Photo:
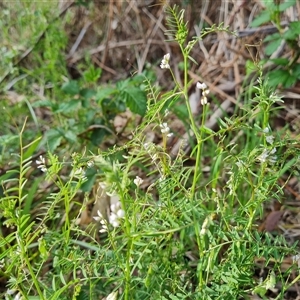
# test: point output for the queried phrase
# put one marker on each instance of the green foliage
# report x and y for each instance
(180, 232)
(84, 107)
(288, 72)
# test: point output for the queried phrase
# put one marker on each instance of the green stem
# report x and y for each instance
(199, 151)
(19, 236)
(24, 255)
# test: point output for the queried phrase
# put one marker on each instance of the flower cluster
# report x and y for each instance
(205, 92)
(79, 173)
(152, 151)
(268, 154)
(41, 162)
(116, 214)
(138, 181)
(10, 293)
(90, 163)
(165, 129)
(269, 137)
(102, 222)
(165, 62)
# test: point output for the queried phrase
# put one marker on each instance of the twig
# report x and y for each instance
(79, 38)
(111, 45)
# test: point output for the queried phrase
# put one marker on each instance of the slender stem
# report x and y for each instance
(199, 151)
(19, 235)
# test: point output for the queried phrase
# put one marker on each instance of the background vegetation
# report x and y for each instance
(121, 177)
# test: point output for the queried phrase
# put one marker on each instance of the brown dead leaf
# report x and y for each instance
(272, 220)
(121, 121)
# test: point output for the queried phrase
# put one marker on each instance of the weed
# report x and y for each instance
(163, 228)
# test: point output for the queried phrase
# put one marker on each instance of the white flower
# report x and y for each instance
(201, 86)
(121, 213)
(79, 173)
(115, 223)
(102, 221)
(273, 159)
(41, 162)
(205, 92)
(296, 257)
(203, 100)
(270, 139)
(42, 168)
(164, 128)
(138, 181)
(146, 145)
(10, 292)
(113, 217)
(266, 130)
(112, 296)
(165, 62)
(99, 217)
(90, 164)
(263, 157)
(205, 226)
(266, 156)
(18, 296)
(116, 214)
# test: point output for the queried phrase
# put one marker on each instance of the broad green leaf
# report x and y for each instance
(7, 139)
(68, 106)
(263, 18)
(272, 37)
(91, 175)
(52, 139)
(87, 93)
(122, 85)
(269, 4)
(71, 136)
(71, 87)
(278, 77)
(280, 61)
(272, 47)
(98, 136)
(283, 6)
(103, 93)
(290, 81)
(135, 99)
(296, 70)
(293, 32)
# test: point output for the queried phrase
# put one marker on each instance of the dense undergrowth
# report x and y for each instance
(92, 206)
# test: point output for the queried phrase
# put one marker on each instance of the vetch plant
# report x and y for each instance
(180, 227)
(165, 62)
